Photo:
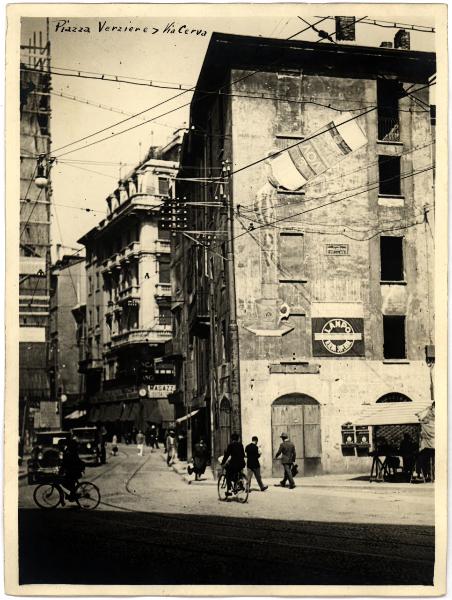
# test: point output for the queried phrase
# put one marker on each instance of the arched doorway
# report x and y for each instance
(299, 416)
(393, 397)
(393, 434)
(225, 425)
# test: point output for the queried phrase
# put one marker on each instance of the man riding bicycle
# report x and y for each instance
(71, 468)
(233, 461)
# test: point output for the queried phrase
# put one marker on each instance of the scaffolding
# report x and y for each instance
(35, 236)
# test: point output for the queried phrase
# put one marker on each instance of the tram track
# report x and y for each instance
(283, 527)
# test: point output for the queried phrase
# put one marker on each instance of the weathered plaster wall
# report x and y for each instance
(353, 215)
(343, 390)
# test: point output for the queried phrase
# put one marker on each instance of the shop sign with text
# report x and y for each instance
(338, 336)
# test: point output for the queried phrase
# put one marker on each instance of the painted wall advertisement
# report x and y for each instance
(338, 336)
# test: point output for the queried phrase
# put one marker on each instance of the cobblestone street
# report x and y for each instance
(152, 527)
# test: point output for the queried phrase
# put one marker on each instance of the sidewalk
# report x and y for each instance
(336, 480)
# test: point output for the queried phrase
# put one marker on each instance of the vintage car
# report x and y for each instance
(46, 455)
(91, 447)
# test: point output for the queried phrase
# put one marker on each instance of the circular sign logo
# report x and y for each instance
(338, 336)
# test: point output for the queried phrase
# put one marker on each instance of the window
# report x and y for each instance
(90, 284)
(164, 315)
(291, 251)
(163, 186)
(164, 271)
(97, 316)
(163, 234)
(97, 281)
(394, 337)
(391, 256)
(389, 175)
(388, 95)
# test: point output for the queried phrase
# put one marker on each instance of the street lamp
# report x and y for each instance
(42, 171)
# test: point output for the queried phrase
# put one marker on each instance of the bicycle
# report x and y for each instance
(50, 495)
(239, 489)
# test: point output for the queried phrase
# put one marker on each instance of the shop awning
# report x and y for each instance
(77, 414)
(112, 412)
(131, 412)
(392, 413)
(189, 416)
(94, 414)
(158, 410)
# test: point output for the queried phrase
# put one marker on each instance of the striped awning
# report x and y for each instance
(392, 413)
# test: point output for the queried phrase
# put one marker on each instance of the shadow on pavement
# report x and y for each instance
(129, 547)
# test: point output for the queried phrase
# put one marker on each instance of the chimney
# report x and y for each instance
(402, 40)
(386, 45)
(345, 29)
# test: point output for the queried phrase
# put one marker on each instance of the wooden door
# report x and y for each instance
(299, 417)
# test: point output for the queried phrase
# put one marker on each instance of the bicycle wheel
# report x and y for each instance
(47, 495)
(222, 487)
(87, 495)
(242, 489)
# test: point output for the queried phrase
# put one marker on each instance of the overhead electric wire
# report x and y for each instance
(163, 102)
(342, 176)
(314, 135)
(394, 25)
(273, 223)
(102, 106)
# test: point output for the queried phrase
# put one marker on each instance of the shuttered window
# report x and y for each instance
(291, 257)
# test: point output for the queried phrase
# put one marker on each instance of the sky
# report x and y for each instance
(83, 178)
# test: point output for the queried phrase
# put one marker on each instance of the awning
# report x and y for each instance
(94, 414)
(112, 412)
(130, 412)
(392, 413)
(77, 414)
(189, 416)
(158, 410)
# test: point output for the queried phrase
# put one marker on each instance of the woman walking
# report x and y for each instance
(200, 456)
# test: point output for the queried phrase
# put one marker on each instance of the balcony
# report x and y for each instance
(131, 293)
(163, 290)
(88, 363)
(162, 246)
(173, 349)
(388, 129)
(110, 263)
(159, 334)
(198, 314)
(129, 252)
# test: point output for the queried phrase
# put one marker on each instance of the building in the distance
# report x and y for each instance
(36, 409)
(127, 318)
(304, 301)
(67, 291)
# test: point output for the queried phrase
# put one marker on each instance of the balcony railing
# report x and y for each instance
(162, 246)
(388, 129)
(132, 292)
(163, 289)
(157, 334)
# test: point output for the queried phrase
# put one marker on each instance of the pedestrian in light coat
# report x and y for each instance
(140, 443)
(170, 445)
(288, 455)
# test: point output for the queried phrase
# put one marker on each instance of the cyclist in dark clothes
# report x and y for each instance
(233, 461)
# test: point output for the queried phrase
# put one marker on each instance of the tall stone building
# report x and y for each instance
(127, 318)
(303, 296)
(67, 290)
(36, 410)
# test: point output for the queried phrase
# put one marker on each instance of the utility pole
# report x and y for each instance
(233, 329)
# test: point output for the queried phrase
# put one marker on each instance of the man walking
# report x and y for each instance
(288, 456)
(252, 463)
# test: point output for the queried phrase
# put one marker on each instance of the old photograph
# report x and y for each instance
(226, 286)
